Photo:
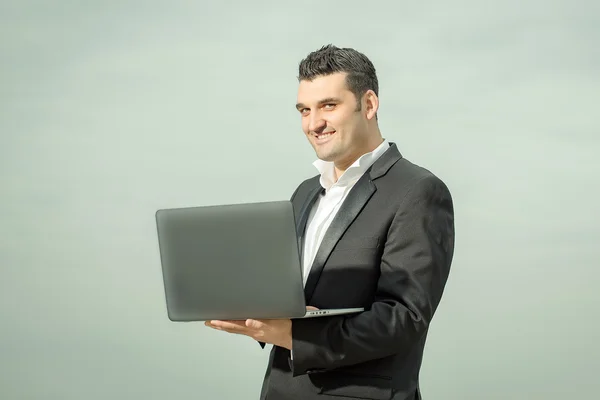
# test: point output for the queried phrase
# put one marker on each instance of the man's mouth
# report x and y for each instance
(323, 137)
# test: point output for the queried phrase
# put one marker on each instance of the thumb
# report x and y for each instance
(311, 308)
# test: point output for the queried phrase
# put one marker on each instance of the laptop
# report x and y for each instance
(233, 262)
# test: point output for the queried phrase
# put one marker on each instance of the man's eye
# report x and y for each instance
(329, 105)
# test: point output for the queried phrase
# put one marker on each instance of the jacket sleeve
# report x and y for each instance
(414, 267)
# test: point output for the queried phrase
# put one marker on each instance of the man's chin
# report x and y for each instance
(324, 156)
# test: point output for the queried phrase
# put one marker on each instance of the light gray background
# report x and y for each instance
(110, 110)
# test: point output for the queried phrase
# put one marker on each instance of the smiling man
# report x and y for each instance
(377, 232)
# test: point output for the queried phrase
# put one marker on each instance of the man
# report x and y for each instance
(377, 232)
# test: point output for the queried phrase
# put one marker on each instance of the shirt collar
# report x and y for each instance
(355, 171)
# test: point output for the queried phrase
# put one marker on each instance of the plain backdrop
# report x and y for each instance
(110, 110)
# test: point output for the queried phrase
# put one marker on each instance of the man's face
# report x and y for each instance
(330, 120)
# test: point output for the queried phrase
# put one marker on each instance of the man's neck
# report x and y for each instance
(342, 167)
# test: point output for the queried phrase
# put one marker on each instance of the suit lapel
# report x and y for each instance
(351, 207)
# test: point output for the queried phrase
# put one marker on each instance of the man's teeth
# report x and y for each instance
(324, 135)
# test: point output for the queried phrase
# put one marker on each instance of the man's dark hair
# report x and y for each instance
(330, 59)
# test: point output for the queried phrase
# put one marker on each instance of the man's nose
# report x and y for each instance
(316, 123)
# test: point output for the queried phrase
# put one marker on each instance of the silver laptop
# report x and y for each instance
(233, 262)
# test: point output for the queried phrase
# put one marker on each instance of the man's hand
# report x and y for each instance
(277, 332)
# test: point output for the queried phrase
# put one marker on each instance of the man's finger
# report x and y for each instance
(230, 326)
(236, 322)
(254, 324)
(311, 308)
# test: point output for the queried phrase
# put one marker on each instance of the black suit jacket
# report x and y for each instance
(388, 249)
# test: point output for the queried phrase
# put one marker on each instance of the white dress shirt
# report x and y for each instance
(329, 203)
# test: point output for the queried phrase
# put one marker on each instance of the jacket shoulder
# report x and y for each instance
(414, 180)
(406, 169)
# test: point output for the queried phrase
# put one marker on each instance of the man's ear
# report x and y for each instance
(370, 104)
